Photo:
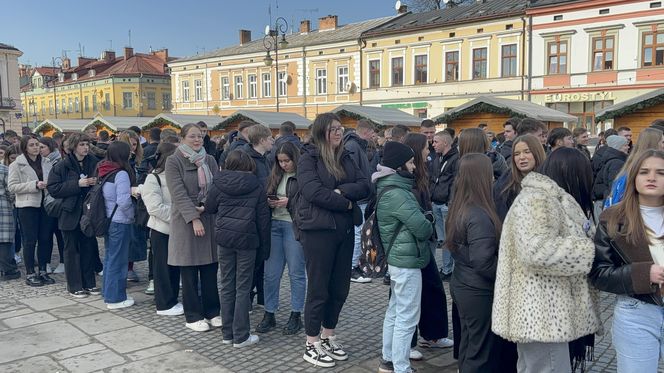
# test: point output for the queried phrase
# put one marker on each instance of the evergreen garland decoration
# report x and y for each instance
(158, 122)
(228, 120)
(100, 125)
(350, 114)
(629, 109)
(44, 127)
(480, 107)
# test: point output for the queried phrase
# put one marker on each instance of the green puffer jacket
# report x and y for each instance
(411, 246)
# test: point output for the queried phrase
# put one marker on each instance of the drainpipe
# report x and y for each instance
(523, 51)
(362, 44)
(530, 55)
(304, 80)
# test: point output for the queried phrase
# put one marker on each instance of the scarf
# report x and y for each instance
(54, 157)
(199, 158)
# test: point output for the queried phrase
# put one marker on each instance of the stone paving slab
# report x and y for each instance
(180, 361)
(28, 319)
(47, 303)
(37, 364)
(155, 351)
(132, 339)
(75, 310)
(39, 339)
(76, 351)
(92, 361)
(14, 313)
(99, 323)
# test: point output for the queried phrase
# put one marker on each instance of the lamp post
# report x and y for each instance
(275, 38)
(55, 95)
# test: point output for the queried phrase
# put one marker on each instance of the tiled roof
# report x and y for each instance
(347, 32)
(8, 47)
(380, 115)
(542, 3)
(137, 64)
(449, 16)
(47, 71)
(267, 118)
(524, 108)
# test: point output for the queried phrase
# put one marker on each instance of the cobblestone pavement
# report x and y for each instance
(45, 330)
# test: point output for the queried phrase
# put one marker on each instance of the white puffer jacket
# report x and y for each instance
(22, 181)
(542, 293)
(157, 201)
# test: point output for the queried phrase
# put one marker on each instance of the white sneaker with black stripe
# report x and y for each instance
(333, 348)
(315, 355)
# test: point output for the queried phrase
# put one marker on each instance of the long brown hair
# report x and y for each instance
(472, 188)
(331, 157)
(625, 220)
(513, 186)
(473, 140)
(418, 142)
(293, 153)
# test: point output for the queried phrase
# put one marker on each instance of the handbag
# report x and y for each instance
(52, 206)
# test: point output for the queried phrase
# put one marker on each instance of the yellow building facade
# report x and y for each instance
(134, 85)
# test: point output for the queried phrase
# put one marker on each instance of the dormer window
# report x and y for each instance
(74, 76)
(92, 72)
(61, 77)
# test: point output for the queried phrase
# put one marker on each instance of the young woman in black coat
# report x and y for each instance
(330, 184)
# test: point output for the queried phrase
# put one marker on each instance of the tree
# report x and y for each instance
(418, 6)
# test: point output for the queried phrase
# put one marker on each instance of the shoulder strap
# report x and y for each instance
(399, 224)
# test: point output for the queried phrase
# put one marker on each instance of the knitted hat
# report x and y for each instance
(396, 154)
(616, 142)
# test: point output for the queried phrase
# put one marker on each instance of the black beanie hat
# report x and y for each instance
(396, 154)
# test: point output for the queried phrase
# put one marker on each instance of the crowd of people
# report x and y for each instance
(530, 225)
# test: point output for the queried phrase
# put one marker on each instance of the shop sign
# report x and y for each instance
(579, 97)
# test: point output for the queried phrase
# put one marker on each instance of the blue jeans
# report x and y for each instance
(440, 212)
(402, 315)
(638, 335)
(357, 249)
(284, 249)
(116, 258)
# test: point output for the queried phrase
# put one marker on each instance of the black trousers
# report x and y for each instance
(166, 278)
(7, 263)
(478, 346)
(60, 241)
(236, 270)
(257, 284)
(433, 315)
(79, 260)
(207, 305)
(328, 255)
(37, 231)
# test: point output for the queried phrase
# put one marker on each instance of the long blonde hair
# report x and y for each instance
(126, 136)
(331, 156)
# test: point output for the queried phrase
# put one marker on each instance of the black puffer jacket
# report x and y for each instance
(598, 160)
(476, 257)
(320, 206)
(622, 268)
(505, 149)
(498, 163)
(442, 178)
(242, 214)
(63, 184)
(358, 151)
(503, 199)
(612, 161)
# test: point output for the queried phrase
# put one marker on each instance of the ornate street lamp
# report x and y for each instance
(275, 38)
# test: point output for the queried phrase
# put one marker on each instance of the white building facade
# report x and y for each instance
(10, 102)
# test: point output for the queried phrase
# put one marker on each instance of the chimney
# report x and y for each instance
(162, 54)
(66, 63)
(83, 60)
(245, 36)
(402, 9)
(327, 23)
(305, 26)
(108, 56)
(128, 52)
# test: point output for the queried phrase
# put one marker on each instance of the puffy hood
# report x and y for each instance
(611, 154)
(288, 138)
(352, 136)
(381, 171)
(395, 179)
(247, 148)
(236, 183)
(105, 167)
(543, 184)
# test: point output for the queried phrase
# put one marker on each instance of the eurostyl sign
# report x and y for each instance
(579, 97)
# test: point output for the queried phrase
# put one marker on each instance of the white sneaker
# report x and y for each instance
(176, 310)
(17, 259)
(215, 322)
(415, 355)
(252, 340)
(198, 326)
(124, 304)
(48, 268)
(316, 355)
(150, 288)
(60, 268)
(437, 343)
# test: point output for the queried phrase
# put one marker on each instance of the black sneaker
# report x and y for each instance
(358, 276)
(267, 324)
(333, 348)
(386, 279)
(315, 355)
(34, 280)
(445, 277)
(46, 279)
(294, 324)
(80, 294)
(93, 291)
(7, 276)
(385, 366)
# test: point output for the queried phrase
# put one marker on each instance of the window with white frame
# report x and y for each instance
(152, 101)
(185, 91)
(321, 81)
(397, 71)
(342, 79)
(557, 57)
(480, 63)
(239, 87)
(421, 69)
(198, 90)
(374, 73)
(253, 85)
(508, 60)
(452, 66)
(281, 78)
(267, 84)
(127, 100)
(225, 88)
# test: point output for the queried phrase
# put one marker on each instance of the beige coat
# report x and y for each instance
(542, 293)
(22, 181)
(184, 248)
(158, 202)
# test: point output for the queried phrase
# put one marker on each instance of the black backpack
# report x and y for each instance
(142, 216)
(373, 258)
(94, 222)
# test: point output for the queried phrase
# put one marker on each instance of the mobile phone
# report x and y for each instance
(273, 197)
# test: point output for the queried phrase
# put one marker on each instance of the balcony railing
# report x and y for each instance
(7, 103)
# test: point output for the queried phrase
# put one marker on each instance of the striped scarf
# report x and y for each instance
(199, 158)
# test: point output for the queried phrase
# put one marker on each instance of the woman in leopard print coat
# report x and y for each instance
(542, 296)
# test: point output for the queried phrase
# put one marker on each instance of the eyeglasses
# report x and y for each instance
(336, 130)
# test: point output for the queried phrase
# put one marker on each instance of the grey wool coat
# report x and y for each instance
(184, 248)
(7, 228)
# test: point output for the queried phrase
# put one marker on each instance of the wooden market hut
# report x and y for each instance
(50, 126)
(380, 116)
(636, 113)
(494, 111)
(115, 124)
(176, 121)
(271, 120)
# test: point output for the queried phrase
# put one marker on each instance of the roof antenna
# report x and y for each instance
(129, 38)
